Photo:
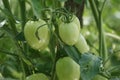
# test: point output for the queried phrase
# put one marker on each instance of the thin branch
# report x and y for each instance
(23, 12)
(9, 53)
(9, 15)
(113, 36)
(103, 5)
(110, 57)
(94, 10)
(114, 68)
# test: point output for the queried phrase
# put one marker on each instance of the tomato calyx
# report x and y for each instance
(65, 15)
(46, 13)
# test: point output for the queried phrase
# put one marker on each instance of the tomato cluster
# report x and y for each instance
(70, 35)
(37, 35)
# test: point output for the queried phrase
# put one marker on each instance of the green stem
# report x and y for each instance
(23, 12)
(102, 42)
(20, 51)
(22, 67)
(114, 69)
(23, 19)
(103, 5)
(115, 52)
(11, 19)
(53, 68)
(94, 10)
(105, 52)
(114, 36)
(97, 16)
(6, 52)
(53, 56)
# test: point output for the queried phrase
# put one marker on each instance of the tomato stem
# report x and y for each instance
(10, 16)
(37, 30)
(66, 15)
(97, 16)
(23, 12)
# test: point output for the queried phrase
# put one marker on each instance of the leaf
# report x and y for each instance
(37, 7)
(115, 78)
(62, 0)
(2, 35)
(20, 36)
(72, 52)
(7, 79)
(2, 23)
(114, 70)
(78, 1)
(89, 65)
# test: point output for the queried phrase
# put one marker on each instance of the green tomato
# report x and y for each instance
(38, 76)
(99, 77)
(43, 33)
(67, 69)
(76, 21)
(69, 33)
(81, 44)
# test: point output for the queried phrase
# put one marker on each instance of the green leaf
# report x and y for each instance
(37, 7)
(78, 1)
(20, 36)
(7, 79)
(72, 52)
(89, 65)
(115, 78)
(2, 35)
(62, 0)
(2, 23)
(115, 70)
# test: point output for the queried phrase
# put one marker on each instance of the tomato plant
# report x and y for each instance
(59, 40)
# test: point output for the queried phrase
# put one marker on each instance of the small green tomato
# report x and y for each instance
(43, 34)
(82, 45)
(67, 69)
(69, 33)
(37, 76)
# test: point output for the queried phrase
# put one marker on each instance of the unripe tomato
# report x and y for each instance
(37, 76)
(76, 21)
(69, 33)
(99, 77)
(67, 69)
(82, 45)
(43, 34)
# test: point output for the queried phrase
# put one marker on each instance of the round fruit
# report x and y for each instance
(43, 34)
(69, 33)
(81, 44)
(38, 76)
(99, 77)
(67, 69)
